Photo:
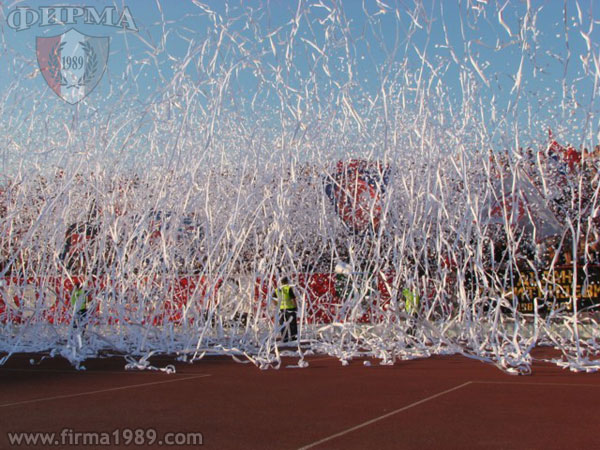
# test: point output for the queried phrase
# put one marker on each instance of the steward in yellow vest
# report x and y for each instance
(411, 306)
(287, 311)
(411, 302)
(79, 302)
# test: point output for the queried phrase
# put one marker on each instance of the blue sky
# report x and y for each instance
(470, 48)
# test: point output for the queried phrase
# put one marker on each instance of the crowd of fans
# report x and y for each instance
(566, 181)
(567, 185)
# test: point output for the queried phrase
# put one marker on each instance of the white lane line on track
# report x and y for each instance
(528, 383)
(377, 419)
(75, 371)
(80, 394)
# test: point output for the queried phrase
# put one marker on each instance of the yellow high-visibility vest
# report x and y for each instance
(283, 294)
(411, 301)
(79, 299)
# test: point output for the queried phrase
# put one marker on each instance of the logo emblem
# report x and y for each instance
(356, 190)
(72, 63)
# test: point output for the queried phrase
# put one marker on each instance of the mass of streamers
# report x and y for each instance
(424, 172)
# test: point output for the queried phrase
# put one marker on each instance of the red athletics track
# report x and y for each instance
(440, 402)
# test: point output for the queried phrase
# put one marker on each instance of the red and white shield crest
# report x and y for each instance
(356, 190)
(72, 63)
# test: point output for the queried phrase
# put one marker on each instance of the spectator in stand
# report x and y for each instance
(594, 158)
(572, 157)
